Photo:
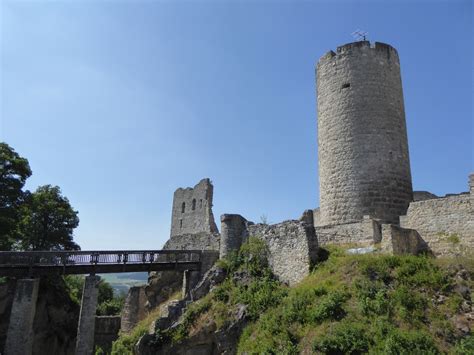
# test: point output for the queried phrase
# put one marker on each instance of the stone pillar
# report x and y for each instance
(20, 329)
(133, 309)
(307, 217)
(186, 288)
(233, 231)
(86, 327)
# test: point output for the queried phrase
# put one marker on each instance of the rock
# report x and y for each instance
(211, 278)
(228, 337)
(366, 250)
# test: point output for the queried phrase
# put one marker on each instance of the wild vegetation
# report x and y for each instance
(108, 303)
(39, 220)
(350, 304)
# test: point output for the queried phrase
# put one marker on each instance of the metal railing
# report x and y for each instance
(71, 259)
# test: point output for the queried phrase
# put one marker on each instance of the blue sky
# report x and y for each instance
(120, 103)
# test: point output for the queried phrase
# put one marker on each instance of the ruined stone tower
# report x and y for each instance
(192, 210)
(364, 167)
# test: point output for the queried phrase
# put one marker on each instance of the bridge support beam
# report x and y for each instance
(20, 329)
(86, 327)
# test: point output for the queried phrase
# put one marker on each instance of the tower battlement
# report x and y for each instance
(376, 49)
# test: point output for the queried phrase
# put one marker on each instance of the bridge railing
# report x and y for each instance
(71, 258)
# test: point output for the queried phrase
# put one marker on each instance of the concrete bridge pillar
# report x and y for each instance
(20, 329)
(86, 327)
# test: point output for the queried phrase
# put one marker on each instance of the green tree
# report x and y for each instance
(14, 170)
(48, 221)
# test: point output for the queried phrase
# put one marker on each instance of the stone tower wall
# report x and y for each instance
(192, 210)
(364, 167)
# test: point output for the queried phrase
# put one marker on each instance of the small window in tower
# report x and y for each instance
(183, 207)
(200, 203)
(346, 85)
(194, 204)
(180, 224)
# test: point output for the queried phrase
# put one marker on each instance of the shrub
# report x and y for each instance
(344, 338)
(329, 307)
(405, 342)
(464, 346)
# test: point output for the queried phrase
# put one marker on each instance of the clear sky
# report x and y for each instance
(121, 102)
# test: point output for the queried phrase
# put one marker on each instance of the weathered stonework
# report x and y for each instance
(192, 210)
(134, 308)
(363, 233)
(198, 241)
(86, 327)
(445, 223)
(397, 240)
(293, 248)
(364, 167)
(292, 245)
(20, 329)
(233, 233)
(107, 329)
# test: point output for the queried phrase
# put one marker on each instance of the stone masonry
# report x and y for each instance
(364, 167)
(445, 223)
(86, 327)
(292, 245)
(20, 329)
(192, 210)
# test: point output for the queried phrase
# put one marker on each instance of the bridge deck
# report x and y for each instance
(37, 263)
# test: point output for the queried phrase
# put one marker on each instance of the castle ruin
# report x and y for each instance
(366, 195)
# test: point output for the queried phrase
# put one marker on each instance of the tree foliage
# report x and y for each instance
(48, 221)
(14, 170)
(108, 304)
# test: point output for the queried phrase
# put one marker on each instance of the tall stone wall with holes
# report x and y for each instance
(364, 167)
(446, 223)
(192, 210)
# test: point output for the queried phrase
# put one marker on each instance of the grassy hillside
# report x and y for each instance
(350, 304)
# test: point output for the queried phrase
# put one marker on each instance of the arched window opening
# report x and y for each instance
(183, 207)
(200, 203)
(194, 204)
(181, 224)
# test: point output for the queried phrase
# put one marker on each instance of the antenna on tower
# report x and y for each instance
(359, 35)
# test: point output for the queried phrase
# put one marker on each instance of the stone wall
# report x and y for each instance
(198, 241)
(397, 240)
(293, 248)
(445, 223)
(292, 245)
(192, 210)
(106, 331)
(134, 308)
(364, 167)
(364, 233)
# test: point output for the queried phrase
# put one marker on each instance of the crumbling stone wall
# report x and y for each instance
(445, 223)
(364, 233)
(192, 210)
(134, 309)
(198, 241)
(292, 245)
(107, 329)
(397, 240)
(364, 167)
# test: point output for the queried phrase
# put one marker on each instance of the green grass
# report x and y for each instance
(353, 304)
(349, 304)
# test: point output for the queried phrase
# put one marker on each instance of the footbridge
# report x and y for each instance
(29, 267)
(41, 263)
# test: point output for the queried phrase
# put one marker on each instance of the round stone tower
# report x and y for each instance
(364, 167)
